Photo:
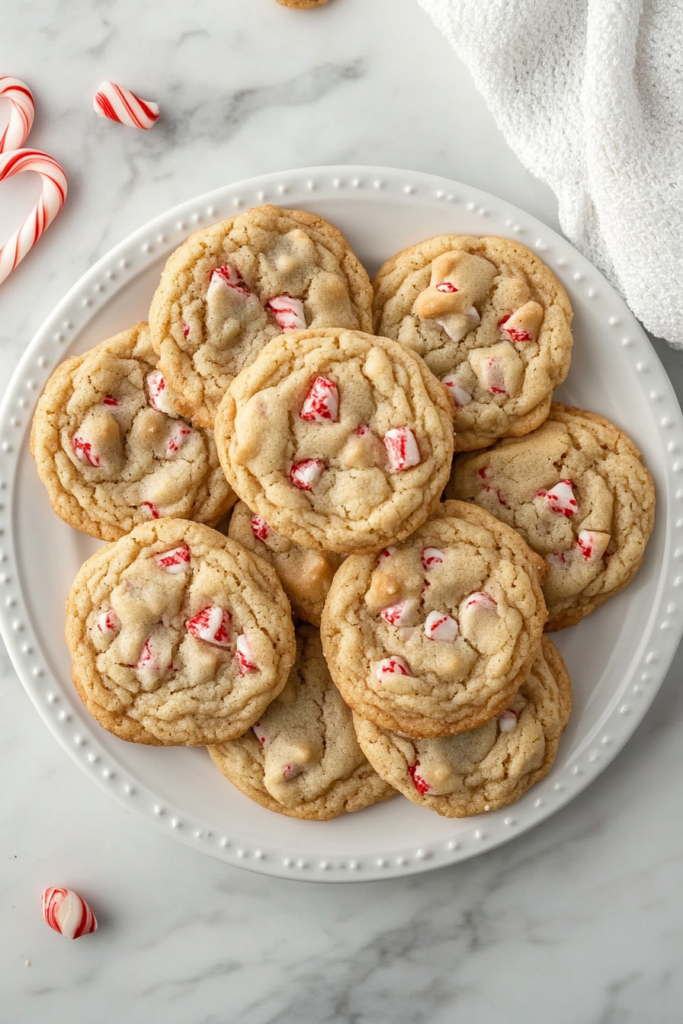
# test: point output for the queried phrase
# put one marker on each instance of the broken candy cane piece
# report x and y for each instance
(321, 402)
(83, 450)
(456, 390)
(560, 499)
(508, 720)
(473, 608)
(245, 657)
(445, 286)
(421, 785)
(386, 553)
(186, 329)
(108, 622)
(174, 561)
(457, 325)
(259, 733)
(432, 557)
(288, 312)
(493, 377)
(440, 626)
(480, 601)
(159, 394)
(259, 527)
(306, 473)
(592, 544)
(119, 104)
(393, 666)
(67, 913)
(110, 401)
(556, 558)
(402, 449)
(177, 439)
(151, 510)
(211, 624)
(404, 613)
(524, 324)
(227, 276)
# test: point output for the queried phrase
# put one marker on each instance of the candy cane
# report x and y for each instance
(120, 104)
(23, 110)
(45, 210)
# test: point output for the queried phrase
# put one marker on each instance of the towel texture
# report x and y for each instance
(589, 95)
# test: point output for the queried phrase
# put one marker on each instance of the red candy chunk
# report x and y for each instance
(393, 666)
(245, 658)
(259, 527)
(456, 390)
(362, 430)
(229, 276)
(404, 613)
(306, 473)
(508, 720)
(151, 510)
(322, 402)
(524, 324)
(493, 377)
(592, 544)
(560, 499)
(177, 439)
(481, 602)
(421, 785)
(159, 393)
(386, 553)
(67, 913)
(445, 286)
(83, 450)
(186, 329)
(288, 312)
(402, 449)
(431, 558)
(110, 401)
(259, 733)
(174, 561)
(440, 626)
(108, 622)
(212, 624)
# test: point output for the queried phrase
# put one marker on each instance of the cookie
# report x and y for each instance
(305, 575)
(485, 768)
(578, 493)
(490, 320)
(339, 440)
(436, 635)
(232, 287)
(303, 5)
(302, 758)
(178, 635)
(112, 450)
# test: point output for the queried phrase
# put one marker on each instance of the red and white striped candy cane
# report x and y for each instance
(23, 110)
(45, 210)
(120, 104)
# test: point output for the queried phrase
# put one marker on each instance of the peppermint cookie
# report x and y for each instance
(436, 635)
(112, 449)
(178, 636)
(577, 491)
(304, 574)
(339, 440)
(302, 757)
(490, 320)
(485, 768)
(232, 287)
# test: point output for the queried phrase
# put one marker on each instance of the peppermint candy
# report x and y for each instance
(259, 733)
(402, 449)
(456, 390)
(508, 720)
(51, 201)
(21, 115)
(560, 499)
(150, 509)
(458, 325)
(392, 666)
(67, 913)
(245, 658)
(177, 439)
(306, 473)
(421, 785)
(110, 402)
(386, 553)
(84, 451)
(480, 602)
(174, 561)
(322, 402)
(404, 613)
(159, 394)
(524, 324)
(212, 624)
(116, 103)
(557, 558)
(431, 558)
(227, 276)
(288, 312)
(592, 544)
(259, 527)
(440, 626)
(493, 376)
(108, 622)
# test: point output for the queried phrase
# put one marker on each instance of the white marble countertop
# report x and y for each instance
(577, 921)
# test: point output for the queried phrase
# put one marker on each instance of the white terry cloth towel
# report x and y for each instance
(589, 95)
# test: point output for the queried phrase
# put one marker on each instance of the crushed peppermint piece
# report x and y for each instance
(245, 657)
(288, 312)
(393, 666)
(306, 473)
(174, 561)
(421, 785)
(560, 499)
(211, 624)
(508, 720)
(177, 439)
(259, 527)
(159, 393)
(322, 402)
(108, 622)
(402, 449)
(440, 626)
(431, 557)
(456, 390)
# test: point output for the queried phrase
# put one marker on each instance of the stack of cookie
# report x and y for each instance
(352, 630)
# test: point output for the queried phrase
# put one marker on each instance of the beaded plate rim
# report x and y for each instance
(117, 269)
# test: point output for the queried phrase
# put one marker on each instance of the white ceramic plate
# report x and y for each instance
(617, 657)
